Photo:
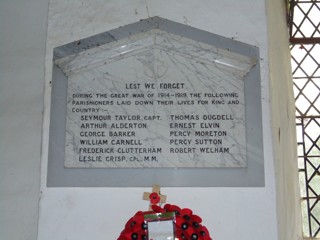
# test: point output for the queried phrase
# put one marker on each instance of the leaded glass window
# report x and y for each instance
(304, 22)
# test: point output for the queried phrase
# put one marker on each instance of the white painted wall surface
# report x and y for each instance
(23, 25)
(100, 213)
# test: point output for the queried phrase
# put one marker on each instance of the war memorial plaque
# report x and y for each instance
(172, 103)
(156, 100)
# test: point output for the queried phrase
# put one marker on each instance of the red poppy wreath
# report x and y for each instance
(187, 226)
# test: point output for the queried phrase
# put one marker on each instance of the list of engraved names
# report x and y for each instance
(155, 124)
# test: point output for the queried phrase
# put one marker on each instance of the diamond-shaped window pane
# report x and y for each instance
(316, 105)
(313, 129)
(314, 13)
(302, 104)
(314, 182)
(296, 91)
(300, 83)
(307, 28)
(313, 151)
(298, 15)
(314, 16)
(311, 91)
(308, 143)
(315, 52)
(315, 226)
(294, 65)
(309, 65)
(313, 111)
(317, 74)
(298, 53)
(305, 7)
(299, 73)
(298, 34)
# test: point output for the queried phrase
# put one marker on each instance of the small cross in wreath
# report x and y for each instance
(155, 197)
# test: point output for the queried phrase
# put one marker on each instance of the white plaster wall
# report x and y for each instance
(23, 27)
(100, 213)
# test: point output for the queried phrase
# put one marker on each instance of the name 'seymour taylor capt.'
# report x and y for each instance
(180, 126)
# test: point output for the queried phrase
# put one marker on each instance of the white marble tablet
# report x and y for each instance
(155, 100)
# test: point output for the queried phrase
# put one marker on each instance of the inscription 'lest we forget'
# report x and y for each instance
(156, 108)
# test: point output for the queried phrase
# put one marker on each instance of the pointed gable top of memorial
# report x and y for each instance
(155, 33)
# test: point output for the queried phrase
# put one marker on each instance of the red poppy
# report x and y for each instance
(135, 221)
(186, 213)
(154, 198)
(172, 208)
(204, 233)
(158, 209)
